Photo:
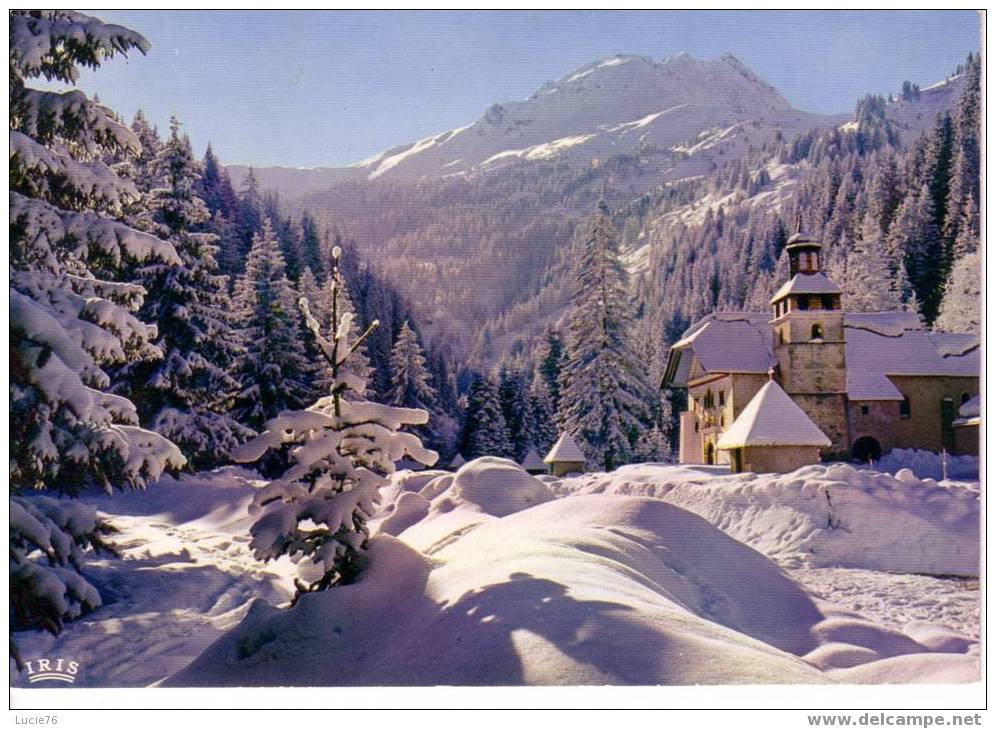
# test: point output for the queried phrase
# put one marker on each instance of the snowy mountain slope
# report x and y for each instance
(686, 111)
(680, 106)
(483, 214)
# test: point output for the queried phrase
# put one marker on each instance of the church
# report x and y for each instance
(868, 382)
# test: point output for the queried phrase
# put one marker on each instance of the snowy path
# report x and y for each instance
(179, 585)
(894, 600)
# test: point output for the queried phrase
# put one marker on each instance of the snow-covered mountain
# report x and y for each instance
(617, 105)
(686, 114)
(484, 213)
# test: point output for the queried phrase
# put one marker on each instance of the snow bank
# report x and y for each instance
(584, 590)
(185, 577)
(498, 486)
(819, 516)
(927, 464)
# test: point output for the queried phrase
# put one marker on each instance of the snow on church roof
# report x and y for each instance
(725, 342)
(772, 418)
(874, 350)
(806, 283)
(532, 461)
(878, 345)
(565, 450)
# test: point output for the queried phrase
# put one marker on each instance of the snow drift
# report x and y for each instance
(582, 590)
(821, 515)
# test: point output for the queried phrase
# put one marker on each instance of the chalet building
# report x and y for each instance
(868, 382)
(565, 457)
(532, 463)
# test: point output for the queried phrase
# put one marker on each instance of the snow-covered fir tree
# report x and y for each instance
(410, 381)
(514, 396)
(604, 391)
(70, 315)
(411, 385)
(484, 431)
(341, 448)
(961, 307)
(867, 283)
(273, 371)
(187, 393)
(215, 188)
(551, 364)
(541, 418)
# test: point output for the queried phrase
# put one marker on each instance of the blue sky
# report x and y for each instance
(331, 88)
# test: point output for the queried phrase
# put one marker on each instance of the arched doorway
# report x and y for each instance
(866, 449)
(710, 454)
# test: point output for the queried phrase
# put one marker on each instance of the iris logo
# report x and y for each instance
(52, 669)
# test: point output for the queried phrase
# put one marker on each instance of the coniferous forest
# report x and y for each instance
(172, 315)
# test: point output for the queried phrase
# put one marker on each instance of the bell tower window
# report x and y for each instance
(816, 332)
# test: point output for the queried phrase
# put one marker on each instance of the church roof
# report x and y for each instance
(565, 450)
(806, 283)
(532, 461)
(877, 345)
(723, 342)
(772, 418)
(892, 345)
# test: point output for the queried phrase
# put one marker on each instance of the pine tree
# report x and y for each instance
(216, 188)
(604, 390)
(140, 168)
(248, 221)
(70, 315)
(410, 386)
(515, 408)
(867, 283)
(551, 364)
(541, 422)
(484, 431)
(311, 245)
(961, 226)
(186, 395)
(961, 309)
(274, 373)
(341, 449)
(915, 237)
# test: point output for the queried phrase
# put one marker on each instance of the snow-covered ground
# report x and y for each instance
(491, 576)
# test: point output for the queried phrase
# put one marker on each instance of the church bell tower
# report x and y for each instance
(808, 331)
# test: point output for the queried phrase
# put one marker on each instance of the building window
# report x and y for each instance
(904, 408)
(708, 401)
(722, 398)
(864, 409)
(816, 332)
(802, 303)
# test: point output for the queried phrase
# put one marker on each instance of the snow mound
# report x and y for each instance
(821, 515)
(919, 668)
(588, 590)
(415, 480)
(498, 486)
(927, 464)
(407, 510)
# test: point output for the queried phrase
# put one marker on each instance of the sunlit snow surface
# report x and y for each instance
(492, 576)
